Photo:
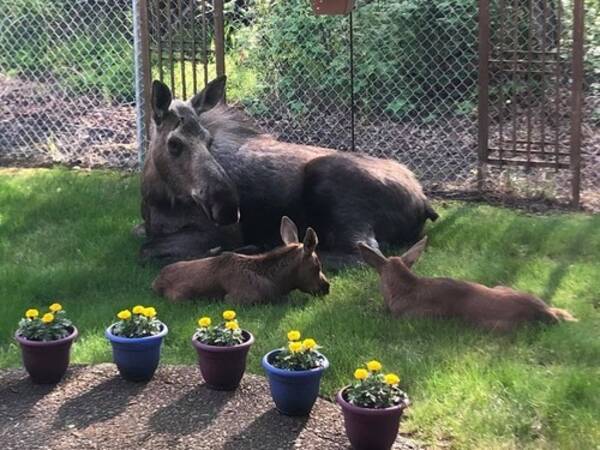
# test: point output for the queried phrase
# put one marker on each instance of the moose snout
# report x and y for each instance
(323, 286)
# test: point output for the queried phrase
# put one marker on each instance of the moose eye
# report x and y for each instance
(176, 147)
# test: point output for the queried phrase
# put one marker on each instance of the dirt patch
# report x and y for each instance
(93, 408)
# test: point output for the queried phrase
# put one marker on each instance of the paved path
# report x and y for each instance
(93, 408)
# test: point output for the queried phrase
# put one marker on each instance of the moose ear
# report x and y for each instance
(210, 96)
(372, 257)
(310, 241)
(161, 100)
(289, 231)
(412, 254)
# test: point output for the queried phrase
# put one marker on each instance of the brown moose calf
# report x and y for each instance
(249, 278)
(499, 308)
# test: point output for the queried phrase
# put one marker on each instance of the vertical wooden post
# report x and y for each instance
(576, 100)
(483, 90)
(219, 37)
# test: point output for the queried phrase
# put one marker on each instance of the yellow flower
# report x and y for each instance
(361, 374)
(229, 315)
(149, 312)
(124, 315)
(48, 317)
(392, 379)
(295, 347)
(294, 335)
(309, 343)
(138, 309)
(55, 307)
(374, 366)
(32, 313)
(204, 322)
(232, 325)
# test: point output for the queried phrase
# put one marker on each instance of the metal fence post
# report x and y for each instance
(577, 100)
(140, 100)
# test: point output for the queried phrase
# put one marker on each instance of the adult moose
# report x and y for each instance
(211, 180)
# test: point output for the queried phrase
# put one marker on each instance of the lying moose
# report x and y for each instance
(249, 278)
(499, 308)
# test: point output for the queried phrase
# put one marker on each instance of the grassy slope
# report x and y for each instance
(65, 235)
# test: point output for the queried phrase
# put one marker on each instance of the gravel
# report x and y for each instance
(93, 408)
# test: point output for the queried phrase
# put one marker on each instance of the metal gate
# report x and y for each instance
(530, 85)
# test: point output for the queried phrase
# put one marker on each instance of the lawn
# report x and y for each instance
(66, 235)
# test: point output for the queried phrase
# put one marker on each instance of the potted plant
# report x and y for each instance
(372, 407)
(294, 374)
(136, 340)
(46, 343)
(222, 350)
(332, 7)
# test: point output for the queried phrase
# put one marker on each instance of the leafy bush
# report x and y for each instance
(411, 57)
(86, 46)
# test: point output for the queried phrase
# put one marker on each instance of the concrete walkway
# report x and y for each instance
(93, 408)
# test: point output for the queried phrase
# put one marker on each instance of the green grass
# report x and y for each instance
(66, 235)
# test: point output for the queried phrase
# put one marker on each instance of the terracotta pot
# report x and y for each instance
(46, 361)
(223, 367)
(370, 428)
(332, 7)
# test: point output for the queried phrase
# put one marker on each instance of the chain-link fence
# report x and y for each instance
(67, 88)
(67, 83)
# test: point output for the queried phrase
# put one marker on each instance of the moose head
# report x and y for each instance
(180, 150)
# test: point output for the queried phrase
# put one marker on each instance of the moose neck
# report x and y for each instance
(279, 265)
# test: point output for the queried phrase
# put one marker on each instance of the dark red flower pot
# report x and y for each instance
(369, 428)
(46, 361)
(223, 367)
(332, 7)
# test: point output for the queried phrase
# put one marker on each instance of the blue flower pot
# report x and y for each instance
(136, 358)
(294, 391)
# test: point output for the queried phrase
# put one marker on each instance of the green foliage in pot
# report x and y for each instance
(139, 322)
(298, 355)
(373, 389)
(51, 326)
(225, 334)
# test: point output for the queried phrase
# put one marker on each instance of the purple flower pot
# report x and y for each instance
(370, 428)
(223, 367)
(46, 361)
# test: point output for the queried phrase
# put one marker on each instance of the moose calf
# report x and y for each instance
(249, 278)
(499, 308)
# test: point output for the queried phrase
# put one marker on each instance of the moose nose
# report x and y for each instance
(324, 288)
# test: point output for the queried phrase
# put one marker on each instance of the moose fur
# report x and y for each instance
(211, 180)
(408, 295)
(249, 278)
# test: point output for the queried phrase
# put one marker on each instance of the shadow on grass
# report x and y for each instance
(99, 404)
(270, 431)
(190, 413)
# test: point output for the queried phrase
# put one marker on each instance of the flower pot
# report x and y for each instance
(294, 391)
(223, 367)
(136, 358)
(46, 361)
(332, 7)
(369, 428)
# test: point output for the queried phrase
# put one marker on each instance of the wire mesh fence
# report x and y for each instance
(66, 83)
(67, 91)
